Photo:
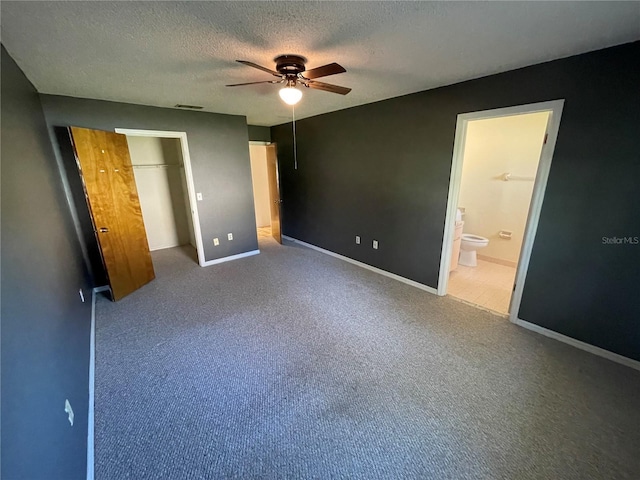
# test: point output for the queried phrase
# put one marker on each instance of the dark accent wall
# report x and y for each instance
(259, 134)
(219, 150)
(381, 171)
(45, 327)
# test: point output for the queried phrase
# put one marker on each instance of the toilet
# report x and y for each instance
(470, 243)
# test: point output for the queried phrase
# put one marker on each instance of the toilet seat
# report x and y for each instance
(474, 238)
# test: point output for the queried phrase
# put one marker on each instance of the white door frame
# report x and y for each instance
(540, 184)
(191, 191)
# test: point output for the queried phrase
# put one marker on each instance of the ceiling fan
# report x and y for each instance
(291, 71)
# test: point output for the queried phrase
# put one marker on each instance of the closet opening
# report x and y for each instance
(163, 177)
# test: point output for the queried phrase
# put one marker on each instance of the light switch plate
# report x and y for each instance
(357, 239)
(230, 236)
(199, 196)
(216, 242)
(375, 244)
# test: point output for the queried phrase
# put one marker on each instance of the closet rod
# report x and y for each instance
(156, 165)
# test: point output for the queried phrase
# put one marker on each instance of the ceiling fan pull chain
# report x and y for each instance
(295, 146)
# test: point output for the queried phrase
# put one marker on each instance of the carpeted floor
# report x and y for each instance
(295, 365)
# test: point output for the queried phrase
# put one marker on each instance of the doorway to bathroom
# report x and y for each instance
(499, 172)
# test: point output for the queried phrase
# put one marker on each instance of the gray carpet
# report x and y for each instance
(295, 365)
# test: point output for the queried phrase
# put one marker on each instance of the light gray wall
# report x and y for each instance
(219, 149)
(45, 327)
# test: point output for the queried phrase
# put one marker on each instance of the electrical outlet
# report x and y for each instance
(230, 236)
(216, 242)
(375, 244)
(199, 196)
(69, 410)
(357, 239)
(81, 295)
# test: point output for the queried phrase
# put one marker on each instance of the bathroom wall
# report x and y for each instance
(160, 190)
(494, 147)
(258, 156)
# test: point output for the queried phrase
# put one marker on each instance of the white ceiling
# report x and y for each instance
(164, 53)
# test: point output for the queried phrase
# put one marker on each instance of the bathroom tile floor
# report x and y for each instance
(488, 285)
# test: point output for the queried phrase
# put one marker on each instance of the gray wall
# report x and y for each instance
(382, 171)
(219, 149)
(45, 327)
(259, 134)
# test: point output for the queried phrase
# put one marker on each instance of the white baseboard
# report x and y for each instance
(601, 352)
(232, 257)
(499, 261)
(413, 283)
(92, 377)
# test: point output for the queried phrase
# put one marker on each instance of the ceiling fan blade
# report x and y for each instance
(324, 71)
(253, 83)
(259, 67)
(327, 87)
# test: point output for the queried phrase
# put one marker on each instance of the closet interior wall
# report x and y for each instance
(161, 182)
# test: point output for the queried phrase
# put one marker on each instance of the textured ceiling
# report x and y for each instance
(164, 53)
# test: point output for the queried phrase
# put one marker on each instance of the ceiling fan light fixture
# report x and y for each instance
(290, 95)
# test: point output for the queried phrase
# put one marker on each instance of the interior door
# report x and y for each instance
(105, 167)
(274, 191)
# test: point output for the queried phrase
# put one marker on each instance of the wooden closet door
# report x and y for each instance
(105, 166)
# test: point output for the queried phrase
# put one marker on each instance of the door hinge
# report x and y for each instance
(546, 137)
